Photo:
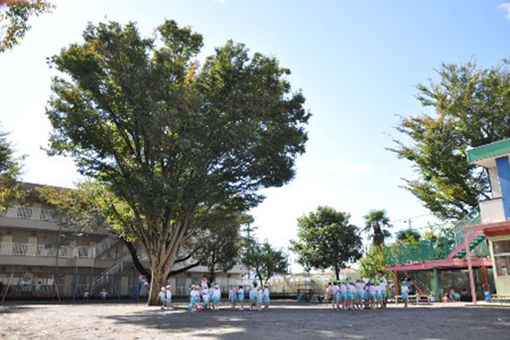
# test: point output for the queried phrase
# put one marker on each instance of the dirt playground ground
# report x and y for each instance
(284, 320)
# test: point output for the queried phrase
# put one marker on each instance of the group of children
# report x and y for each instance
(165, 297)
(359, 294)
(258, 297)
(202, 297)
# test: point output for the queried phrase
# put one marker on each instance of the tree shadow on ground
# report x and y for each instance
(11, 309)
(312, 323)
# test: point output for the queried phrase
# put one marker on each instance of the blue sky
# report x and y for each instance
(357, 63)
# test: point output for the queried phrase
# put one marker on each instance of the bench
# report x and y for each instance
(416, 298)
(500, 298)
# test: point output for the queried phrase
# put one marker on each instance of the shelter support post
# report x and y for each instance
(395, 282)
(484, 278)
(436, 285)
(470, 267)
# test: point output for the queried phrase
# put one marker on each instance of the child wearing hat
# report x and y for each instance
(266, 296)
(168, 297)
(162, 297)
(215, 297)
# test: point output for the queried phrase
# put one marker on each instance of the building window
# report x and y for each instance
(502, 257)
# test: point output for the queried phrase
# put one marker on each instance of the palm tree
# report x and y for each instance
(376, 223)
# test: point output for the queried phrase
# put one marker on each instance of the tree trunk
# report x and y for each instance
(160, 273)
(337, 273)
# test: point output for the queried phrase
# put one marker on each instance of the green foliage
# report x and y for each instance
(372, 262)
(408, 236)
(10, 168)
(467, 107)
(218, 242)
(376, 224)
(264, 260)
(14, 15)
(168, 137)
(327, 240)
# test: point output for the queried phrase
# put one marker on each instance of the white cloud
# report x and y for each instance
(220, 2)
(342, 168)
(506, 7)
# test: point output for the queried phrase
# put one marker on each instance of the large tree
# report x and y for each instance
(377, 224)
(169, 137)
(14, 15)
(326, 239)
(467, 107)
(10, 168)
(265, 260)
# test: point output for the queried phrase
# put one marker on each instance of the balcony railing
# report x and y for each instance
(42, 250)
(32, 213)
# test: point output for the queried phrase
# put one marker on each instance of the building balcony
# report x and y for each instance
(42, 250)
(32, 213)
(492, 210)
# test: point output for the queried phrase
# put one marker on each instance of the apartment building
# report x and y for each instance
(41, 257)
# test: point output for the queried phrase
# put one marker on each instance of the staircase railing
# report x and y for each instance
(109, 274)
(471, 218)
(105, 244)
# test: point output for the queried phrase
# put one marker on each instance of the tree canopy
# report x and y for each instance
(467, 107)
(265, 260)
(408, 236)
(168, 136)
(327, 240)
(14, 15)
(377, 224)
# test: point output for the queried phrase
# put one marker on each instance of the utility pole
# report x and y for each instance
(248, 229)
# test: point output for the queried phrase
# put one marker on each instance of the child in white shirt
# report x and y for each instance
(266, 297)
(162, 297)
(404, 289)
(168, 297)
(253, 297)
(215, 297)
(240, 297)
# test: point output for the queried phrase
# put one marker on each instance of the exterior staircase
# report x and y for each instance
(108, 275)
(475, 238)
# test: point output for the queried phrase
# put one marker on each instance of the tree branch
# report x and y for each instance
(184, 269)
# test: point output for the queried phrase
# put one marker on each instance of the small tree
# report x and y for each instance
(219, 241)
(264, 260)
(10, 168)
(408, 236)
(372, 262)
(376, 224)
(327, 240)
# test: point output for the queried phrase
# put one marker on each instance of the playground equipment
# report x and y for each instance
(27, 284)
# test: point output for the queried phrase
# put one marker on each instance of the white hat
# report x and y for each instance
(162, 288)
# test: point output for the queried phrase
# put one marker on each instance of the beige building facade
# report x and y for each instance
(31, 266)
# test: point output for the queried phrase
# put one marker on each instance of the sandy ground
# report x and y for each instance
(284, 320)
